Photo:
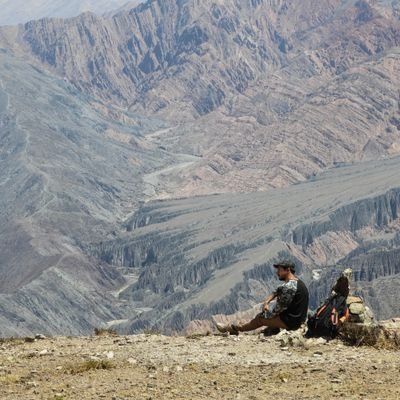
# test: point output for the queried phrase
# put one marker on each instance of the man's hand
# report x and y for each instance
(267, 301)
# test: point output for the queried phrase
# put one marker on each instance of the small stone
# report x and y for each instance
(43, 352)
(40, 337)
(132, 361)
(179, 368)
(110, 355)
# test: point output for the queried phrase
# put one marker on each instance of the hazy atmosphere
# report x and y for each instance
(157, 158)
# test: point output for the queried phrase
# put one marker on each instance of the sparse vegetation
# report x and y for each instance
(388, 340)
(282, 376)
(210, 366)
(88, 365)
(374, 336)
(195, 336)
(9, 379)
(152, 332)
(105, 332)
(12, 340)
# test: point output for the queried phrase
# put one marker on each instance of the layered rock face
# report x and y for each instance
(213, 255)
(182, 98)
(266, 93)
(67, 175)
(15, 12)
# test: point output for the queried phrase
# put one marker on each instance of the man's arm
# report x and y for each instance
(268, 300)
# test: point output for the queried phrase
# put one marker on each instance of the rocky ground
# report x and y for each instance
(151, 366)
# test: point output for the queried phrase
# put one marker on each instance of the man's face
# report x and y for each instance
(282, 273)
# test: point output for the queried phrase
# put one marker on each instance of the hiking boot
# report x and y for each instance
(271, 331)
(231, 329)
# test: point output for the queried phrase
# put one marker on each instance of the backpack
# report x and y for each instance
(325, 321)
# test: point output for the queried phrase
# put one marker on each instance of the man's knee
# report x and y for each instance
(275, 322)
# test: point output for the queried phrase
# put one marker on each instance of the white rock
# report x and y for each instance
(40, 337)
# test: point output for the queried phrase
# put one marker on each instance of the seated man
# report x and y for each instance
(291, 308)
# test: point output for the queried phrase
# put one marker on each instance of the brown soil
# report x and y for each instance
(211, 367)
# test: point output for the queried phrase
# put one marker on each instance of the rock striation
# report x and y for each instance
(294, 103)
(265, 93)
(20, 11)
(67, 174)
(212, 255)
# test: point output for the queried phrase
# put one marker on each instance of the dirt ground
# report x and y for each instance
(210, 367)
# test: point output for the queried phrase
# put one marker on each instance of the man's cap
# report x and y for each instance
(286, 264)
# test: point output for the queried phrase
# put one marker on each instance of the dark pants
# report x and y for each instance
(259, 321)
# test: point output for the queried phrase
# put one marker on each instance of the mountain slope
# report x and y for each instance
(67, 175)
(209, 255)
(15, 12)
(266, 93)
(244, 96)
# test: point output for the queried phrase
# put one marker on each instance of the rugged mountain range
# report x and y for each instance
(15, 12)
(67, 175)
(276, 98)
(266, 93)
(209, 255)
